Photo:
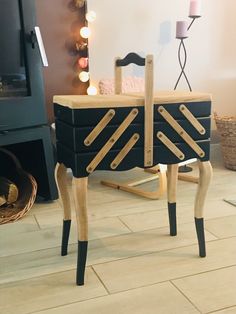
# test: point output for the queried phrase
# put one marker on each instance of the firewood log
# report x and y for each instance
(9, 190)
(2, 200)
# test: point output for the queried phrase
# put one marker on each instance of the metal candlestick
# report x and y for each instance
(182, 64)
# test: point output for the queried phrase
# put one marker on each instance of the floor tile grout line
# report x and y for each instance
(135, 288)
(125, 224)
(74, 244)
(67, 304)
(148, 211)
(106, 295)
(217, 237)
(217, 218)
(185, 296)
(205, 272)
(142, 286)
(222, 309)
(168, 280)
(155, 252)
(119, 259)
(92, 267)
(100, 280)
(36, 220)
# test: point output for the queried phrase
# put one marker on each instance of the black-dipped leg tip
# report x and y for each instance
(81, 262)
(199, 224)
(65, 236)
(172, 218)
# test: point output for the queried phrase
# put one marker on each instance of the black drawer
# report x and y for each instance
(186, 125)
(78, 162)
(74, 137)
(91, 117)
(198, 109)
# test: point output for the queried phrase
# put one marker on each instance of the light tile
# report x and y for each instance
(36, 263)
(185, 213)
(149, 300)
(45, 207)
(107, 227)
(40, 262)
(152, 268)
(50, 219)
(48, 291)
(222, 227)
(130, 260)
(25, 224)
(32, 241)
(146, 220)
(210, 291)
(141, 243)
(98, 228)
(51, 237)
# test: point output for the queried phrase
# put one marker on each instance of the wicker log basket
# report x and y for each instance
(226, 126)
(10, 167)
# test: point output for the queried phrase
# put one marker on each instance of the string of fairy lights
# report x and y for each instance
(82, 72)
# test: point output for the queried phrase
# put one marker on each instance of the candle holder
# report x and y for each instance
(182, 51)
(182, 35)
(182, 64)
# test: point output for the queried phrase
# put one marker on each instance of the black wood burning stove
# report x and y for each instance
(23, 120)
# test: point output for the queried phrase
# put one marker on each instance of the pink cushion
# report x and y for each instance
(129, 84)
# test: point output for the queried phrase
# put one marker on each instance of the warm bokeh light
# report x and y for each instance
(84, 76)
(92, 90)
(85, 32)
(91, 16)
(83, 62)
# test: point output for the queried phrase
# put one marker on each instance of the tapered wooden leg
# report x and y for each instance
(205, 174)
(80, 197)
(172, 176)
(61, 181)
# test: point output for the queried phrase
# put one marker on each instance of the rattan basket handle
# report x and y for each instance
(13, 157)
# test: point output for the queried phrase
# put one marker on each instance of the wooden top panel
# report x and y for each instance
(171, 97)
(98, 101)
(127, 100)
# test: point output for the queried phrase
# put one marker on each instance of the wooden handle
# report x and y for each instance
(190, 117)
(112, 140)
(130, 58)
(148, 106)
(170, 145)
(148, 112)
(118, 78)
(99, 127)
(124, 151)
(178, 128)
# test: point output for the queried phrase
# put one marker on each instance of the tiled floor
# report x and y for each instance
(133, 266)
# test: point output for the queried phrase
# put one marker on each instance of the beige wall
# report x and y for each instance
(58, 23)
(149, 27)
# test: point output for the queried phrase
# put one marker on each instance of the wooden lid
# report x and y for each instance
(127, 100)
(163, 97)
(98, 101)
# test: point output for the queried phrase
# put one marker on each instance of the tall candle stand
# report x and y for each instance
(181, 34)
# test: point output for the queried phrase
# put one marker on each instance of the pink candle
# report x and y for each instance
(195, 8)
(181, 29)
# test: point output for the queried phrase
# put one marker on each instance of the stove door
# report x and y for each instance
(21, 83)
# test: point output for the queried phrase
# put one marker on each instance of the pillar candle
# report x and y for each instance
(195, 8)
(181, 29)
